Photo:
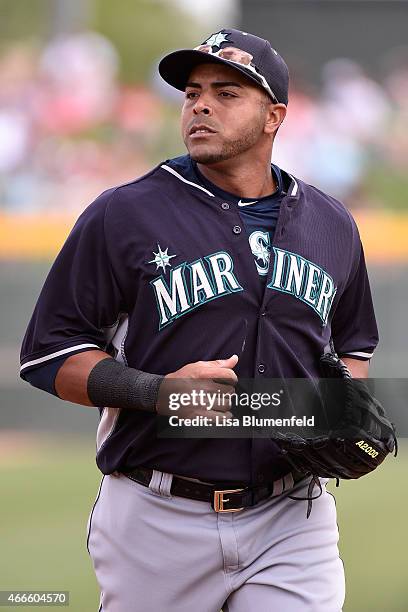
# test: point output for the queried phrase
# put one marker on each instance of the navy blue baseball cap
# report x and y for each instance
(250, 54)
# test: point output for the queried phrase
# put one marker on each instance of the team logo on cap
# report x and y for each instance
(235, 56)
(216, 40)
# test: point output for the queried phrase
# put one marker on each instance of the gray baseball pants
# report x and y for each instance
(153, 552)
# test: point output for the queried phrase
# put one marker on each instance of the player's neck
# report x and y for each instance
(246, 180)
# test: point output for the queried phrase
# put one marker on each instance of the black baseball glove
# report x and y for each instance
(353, 434)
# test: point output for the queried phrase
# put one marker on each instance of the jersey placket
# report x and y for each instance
(239, 230)
(260, 368)
(264, 296)
(283, 220)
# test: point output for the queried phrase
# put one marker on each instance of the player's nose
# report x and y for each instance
(202, 106)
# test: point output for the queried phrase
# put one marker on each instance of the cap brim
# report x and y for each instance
(175, 68)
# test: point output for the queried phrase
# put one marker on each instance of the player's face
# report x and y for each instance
(224, 114)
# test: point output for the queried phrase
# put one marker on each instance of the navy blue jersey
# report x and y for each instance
(159, 273)
(259, 216)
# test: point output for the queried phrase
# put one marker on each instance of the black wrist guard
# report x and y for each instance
(111, 383)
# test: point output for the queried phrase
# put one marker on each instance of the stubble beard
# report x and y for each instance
(230, 148)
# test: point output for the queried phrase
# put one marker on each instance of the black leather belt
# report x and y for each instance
(222, 498)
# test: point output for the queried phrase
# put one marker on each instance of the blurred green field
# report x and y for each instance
(47, 491)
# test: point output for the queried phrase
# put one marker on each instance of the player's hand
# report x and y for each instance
(208, 384)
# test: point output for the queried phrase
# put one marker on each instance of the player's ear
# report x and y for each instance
(275, 114)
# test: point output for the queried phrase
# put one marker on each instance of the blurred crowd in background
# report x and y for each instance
(351, 137)
(70, 127)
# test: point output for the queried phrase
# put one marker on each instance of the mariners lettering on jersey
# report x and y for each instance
(303, 279)
(260, 246)
(192, 285)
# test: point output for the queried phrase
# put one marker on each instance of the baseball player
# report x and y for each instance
(216, 265)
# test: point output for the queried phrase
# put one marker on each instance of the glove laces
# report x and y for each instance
(314, 481)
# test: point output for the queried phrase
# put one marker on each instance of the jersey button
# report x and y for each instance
(225, 206)
(261, 368)
(236, 229)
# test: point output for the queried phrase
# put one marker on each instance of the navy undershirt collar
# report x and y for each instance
(233, 197)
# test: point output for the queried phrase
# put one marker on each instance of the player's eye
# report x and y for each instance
(227, 94)
(191, 95)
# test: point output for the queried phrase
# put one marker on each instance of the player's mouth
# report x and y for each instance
(201, 131)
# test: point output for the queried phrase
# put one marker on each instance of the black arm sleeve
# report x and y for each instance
(111, 383)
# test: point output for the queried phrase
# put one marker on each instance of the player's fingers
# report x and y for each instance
(217, 373)
(231, 362)
(217, 396)
(221, 406)
(225, 394)
(225, 388)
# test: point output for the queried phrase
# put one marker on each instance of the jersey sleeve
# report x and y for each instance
(354, 327)
(80, 300)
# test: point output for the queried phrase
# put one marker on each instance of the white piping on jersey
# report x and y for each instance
(77, 347)
(359, 354)
(295, 186)
(181, 178)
